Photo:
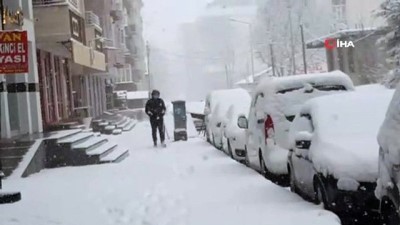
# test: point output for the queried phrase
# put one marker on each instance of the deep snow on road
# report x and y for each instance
(188, 183)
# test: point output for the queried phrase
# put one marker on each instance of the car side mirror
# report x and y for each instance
(303, 140)
(242, 122)
(207, 111)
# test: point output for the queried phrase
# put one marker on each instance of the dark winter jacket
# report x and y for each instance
(155, 108)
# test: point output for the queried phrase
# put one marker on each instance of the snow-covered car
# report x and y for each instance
(388, 184)
(275, 103)
(333, 159)
(234, 138)
(217, 105)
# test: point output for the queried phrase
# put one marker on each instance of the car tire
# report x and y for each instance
(264, 170)
(213, 141)
(320, 195)
(292, 184)
(246, 158)
(389, 214)
(230, 149)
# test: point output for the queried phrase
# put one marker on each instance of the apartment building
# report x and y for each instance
(123, 46)
(20, 110)
(69, 59)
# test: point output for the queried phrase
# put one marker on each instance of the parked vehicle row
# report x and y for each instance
(317, 134)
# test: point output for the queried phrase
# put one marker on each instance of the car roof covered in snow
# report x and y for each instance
(276, 84)
(223, 99)
(346, 126)
(228, 95)
(239, 108)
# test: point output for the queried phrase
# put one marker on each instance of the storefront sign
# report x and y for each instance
(14, 52)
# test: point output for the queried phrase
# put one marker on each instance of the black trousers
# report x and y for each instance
(157, 124)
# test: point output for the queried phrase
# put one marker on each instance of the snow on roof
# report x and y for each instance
(346, 127)
(249, 79)
(319, 42)
(137, 95)
(295, 81)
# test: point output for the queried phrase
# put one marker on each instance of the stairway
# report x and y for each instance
(113, 125)
(77, 148)
(11, 154)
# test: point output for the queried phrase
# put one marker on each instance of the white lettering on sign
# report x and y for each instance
(12, 48)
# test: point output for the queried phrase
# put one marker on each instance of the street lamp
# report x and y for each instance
(251, 43)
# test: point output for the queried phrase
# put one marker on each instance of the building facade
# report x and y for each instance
(69, 57)
(122, 29)
(20, 109)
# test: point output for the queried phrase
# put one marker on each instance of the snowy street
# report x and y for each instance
(188, 183)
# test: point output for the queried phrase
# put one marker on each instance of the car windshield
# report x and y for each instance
(179, 112)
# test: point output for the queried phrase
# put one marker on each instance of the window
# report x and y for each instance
(339, 10)
(75, 27)
(122, 35)
(305, 123)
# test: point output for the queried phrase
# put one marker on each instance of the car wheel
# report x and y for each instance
(230, 149)
(389, 214)
(246, 158)
(264, 170)
(320, 195)
(213, 141)
(293, 187)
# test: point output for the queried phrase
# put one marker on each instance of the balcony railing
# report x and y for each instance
(92, 19)
(74, 3)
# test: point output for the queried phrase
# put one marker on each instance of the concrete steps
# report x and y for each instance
(115, 126)
(11, 154)
(85, 148)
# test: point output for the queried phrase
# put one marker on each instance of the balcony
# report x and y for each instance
(130, 30)
(73, 4)
(57, 23)
(116, 15)
(92, 20)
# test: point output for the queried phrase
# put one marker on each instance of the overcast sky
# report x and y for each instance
(162, 17)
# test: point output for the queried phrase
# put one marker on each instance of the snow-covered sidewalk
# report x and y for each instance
(189, 183)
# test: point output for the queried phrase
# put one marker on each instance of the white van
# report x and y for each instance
(275, 103)
(217, 105)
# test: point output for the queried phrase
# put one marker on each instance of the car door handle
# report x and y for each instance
(260, 121)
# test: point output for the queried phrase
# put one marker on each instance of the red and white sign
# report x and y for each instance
(14, 52)
(332, 43)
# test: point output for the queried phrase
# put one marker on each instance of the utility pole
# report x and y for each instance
(148, 67)
(291, 37)
(271, 48)
(228, 85)
(251, 44)
(304, 48)
(252, 51)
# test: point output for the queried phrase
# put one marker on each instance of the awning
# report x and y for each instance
(350, 34)
(90, 60)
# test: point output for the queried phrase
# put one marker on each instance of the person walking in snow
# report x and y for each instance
(155, 109)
